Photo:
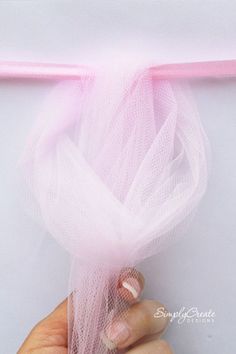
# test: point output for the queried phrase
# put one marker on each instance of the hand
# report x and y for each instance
(139, 333)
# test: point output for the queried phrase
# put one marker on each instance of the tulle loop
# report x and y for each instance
(114, 166)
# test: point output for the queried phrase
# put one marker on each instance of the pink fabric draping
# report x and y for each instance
(116, 163)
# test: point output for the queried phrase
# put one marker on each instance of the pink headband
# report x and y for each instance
(46, 71)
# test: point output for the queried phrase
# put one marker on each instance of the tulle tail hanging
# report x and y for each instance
(95, 302)
(115, 163)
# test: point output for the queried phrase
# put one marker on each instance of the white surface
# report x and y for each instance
(197, 271)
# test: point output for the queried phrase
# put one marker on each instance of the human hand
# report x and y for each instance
(139, 333)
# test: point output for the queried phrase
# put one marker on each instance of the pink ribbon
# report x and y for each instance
(50, 71)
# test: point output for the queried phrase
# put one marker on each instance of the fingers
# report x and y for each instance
(154, 347)
(51, 332)
(137, 327)
(136, 323)
(131, 284)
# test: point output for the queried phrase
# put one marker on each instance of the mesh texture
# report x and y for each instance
(115, 164)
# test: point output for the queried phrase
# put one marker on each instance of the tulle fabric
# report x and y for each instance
(115, 164)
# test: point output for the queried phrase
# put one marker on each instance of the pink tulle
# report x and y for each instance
(115, 164)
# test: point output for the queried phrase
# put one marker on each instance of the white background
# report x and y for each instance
(197, 271)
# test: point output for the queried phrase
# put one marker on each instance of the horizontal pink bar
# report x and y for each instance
(44, 71)
(207, 69)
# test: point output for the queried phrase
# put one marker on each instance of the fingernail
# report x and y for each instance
(133, 286)
(108, 343)
(116, 334)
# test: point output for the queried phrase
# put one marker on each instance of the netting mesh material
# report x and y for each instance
(115, 163)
